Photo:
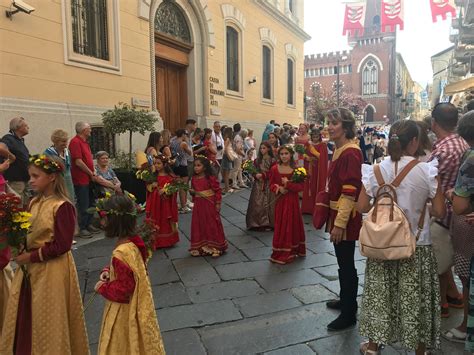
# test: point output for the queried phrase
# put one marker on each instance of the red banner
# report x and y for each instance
(354, 19)
(392, 15)
(442, 8)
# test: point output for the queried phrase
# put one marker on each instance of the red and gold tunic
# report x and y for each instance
(345, 182)
(129, 324)
(316, 165)
(44, 313)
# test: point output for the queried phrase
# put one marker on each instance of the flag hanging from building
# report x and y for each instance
(354, 19)
(392, 15)
(442, 8)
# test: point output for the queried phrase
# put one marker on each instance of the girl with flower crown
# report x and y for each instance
(207, 232)
(129, 324)
(44, 313)
(289, 236)
(162, 208)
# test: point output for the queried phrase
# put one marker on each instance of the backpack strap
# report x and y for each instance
(378, 175)
(398, 180)
(421, 221)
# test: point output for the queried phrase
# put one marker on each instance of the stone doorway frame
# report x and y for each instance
(202, 37)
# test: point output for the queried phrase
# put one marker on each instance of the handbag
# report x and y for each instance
(386, 232)
(321, 209)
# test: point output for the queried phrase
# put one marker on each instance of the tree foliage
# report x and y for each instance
(124, 118)
(322, 100)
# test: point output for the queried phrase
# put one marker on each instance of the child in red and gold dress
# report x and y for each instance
(289, 237)
(129, 323)
(161, 208)
(207, 233)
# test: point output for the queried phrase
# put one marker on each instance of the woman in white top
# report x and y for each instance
(401, 297)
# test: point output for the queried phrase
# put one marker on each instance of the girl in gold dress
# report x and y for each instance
(129, 324)
(44, 312)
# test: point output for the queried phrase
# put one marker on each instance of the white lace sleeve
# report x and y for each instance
(432, 172)
(368, 178)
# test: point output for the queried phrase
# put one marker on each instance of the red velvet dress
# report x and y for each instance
(317, 169)
(288, 237)
(345, 179)
(121, 289)
(206, 226)
(163, 210)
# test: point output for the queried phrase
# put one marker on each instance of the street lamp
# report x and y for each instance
(343, 58)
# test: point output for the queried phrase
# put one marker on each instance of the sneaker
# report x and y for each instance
(85, 234)
(189, 204)
(93, 229)
(184, 210)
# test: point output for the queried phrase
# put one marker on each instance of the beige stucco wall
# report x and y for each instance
(37, 83)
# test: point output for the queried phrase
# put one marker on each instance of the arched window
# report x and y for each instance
(370, 78)
(267, 72)
(232, 52)
(290, 82)
(369, 113)
(170, 20)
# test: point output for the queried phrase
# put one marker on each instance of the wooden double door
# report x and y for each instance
(172, 97)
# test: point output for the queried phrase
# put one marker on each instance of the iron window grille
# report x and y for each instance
(100, 140)
(89, 28)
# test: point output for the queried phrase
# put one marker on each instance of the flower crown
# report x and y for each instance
(46, 163)
(102, 211)
(201, 156)
(164, 159)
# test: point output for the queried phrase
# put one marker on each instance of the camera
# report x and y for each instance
(19, 6)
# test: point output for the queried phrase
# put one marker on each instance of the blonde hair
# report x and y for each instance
(59, 186)
(166, 135)
(59, 135)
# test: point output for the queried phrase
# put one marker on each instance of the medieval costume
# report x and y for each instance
(316, 165)
(207, 232)
(289, 236)
(44, 313)
(163, 210)
(344, 186)
(261, 207)
(129, 324)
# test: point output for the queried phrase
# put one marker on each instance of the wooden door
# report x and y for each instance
(172, 100)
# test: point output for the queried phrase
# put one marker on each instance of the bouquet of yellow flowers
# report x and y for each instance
(300, 149)
(249, 167)
(299, 175)
(173, 187)
(14, 225)
(146, 173)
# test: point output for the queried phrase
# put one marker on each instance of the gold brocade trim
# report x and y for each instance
(205, 193)
(339, 151)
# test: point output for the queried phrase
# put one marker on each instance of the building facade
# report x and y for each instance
(366, 70)
(226, 60)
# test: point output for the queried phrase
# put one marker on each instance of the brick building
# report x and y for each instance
(368, 69)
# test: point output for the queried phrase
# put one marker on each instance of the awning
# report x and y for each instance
(460, 86)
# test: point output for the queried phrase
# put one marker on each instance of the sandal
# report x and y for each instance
(454, 335)
(364, 349)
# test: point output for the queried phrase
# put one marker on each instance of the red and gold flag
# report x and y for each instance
(392, 15)
(442, 8)
(354, 19)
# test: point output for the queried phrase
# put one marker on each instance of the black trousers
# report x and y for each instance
(348, 279)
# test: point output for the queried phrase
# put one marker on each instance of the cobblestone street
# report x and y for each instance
(239, 303)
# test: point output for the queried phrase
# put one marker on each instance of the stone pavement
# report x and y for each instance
(239, 303)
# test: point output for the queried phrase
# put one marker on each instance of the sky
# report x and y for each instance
(420, 39)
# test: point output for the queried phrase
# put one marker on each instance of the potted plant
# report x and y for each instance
(124, 118)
